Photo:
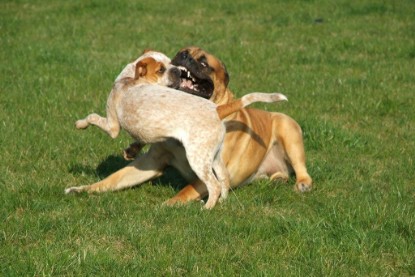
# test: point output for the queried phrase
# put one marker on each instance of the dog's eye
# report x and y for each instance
(162, 70)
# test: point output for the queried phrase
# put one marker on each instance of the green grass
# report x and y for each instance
(347, 68)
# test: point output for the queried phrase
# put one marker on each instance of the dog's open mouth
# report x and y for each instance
(191, 83)
(187, 81)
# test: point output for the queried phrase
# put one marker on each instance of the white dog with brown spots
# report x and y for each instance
(143, 103)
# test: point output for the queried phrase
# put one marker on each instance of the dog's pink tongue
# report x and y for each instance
(186, 84)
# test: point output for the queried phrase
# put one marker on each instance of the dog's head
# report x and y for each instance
(155, 68)
(202, 74)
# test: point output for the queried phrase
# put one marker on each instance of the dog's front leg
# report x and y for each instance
(109, 125)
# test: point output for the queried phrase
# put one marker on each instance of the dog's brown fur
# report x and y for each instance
(257, 144)
(126, 108)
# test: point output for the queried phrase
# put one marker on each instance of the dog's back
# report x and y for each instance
(153, 113)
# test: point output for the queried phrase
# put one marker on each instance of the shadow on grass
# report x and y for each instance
(111, 164)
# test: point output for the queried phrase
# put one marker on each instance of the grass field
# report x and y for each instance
(347, 68)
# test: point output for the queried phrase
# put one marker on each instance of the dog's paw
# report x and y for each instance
(222, 199)
(72, 190)
(81, 124)
(129, 154)
(173, 202)
(302, 187)
(224, 195)
(279, 176)
(209, 204)
(304, 183)
(132, 151)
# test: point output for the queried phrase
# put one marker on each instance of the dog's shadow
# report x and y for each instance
(171, 177)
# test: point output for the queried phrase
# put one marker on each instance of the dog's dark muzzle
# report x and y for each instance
(194, 78)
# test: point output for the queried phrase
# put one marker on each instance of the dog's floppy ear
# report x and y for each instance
(140, 69)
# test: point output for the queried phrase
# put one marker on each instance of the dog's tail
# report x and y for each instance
(229, 108)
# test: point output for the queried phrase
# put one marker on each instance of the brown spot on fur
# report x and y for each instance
(150, 68)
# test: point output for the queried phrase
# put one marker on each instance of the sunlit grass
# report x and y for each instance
(347, 69)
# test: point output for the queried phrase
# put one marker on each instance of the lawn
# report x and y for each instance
(347, 68)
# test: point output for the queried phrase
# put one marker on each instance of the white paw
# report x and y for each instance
(222, 199)
(72, 190)
(223, 196)
(81, 124)
(209, 205)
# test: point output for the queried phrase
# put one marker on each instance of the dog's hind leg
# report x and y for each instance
(290, 135)
(212, 184)
(222, 175)
(142, 169)
(201, 163)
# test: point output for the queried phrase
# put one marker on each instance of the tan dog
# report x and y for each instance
(152, 113)
(257, 144)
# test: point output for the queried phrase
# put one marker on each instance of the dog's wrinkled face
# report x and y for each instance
(202, 74)
(155, 68)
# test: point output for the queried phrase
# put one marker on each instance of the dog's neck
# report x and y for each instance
(223, 98)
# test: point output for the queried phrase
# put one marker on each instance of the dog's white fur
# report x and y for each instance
(151, 112)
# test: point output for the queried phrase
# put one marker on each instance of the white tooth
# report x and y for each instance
(183, 68)
(188, 74)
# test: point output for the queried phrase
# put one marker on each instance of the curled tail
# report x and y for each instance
(229, 108)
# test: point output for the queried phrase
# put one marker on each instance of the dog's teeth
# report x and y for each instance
(188, 74)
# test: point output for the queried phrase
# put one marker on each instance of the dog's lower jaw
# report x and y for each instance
(195, 84)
